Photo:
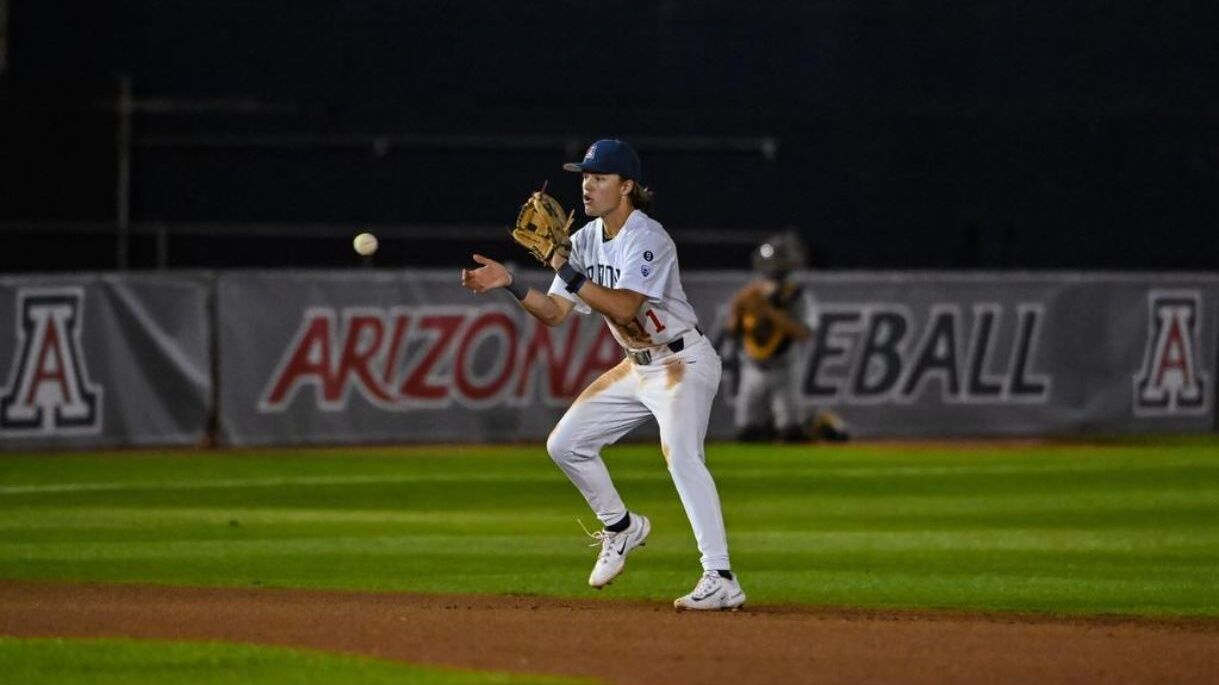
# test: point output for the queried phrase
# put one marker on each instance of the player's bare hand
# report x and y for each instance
(557, 260)
(489, 276)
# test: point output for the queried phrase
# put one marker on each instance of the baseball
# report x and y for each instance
(365, 244)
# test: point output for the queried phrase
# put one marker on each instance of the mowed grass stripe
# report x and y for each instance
(1098, 473)
(59, 661)
(304, 481)
(1134, 503)
(1192, 525)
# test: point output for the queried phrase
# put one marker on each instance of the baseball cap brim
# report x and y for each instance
(590, 168)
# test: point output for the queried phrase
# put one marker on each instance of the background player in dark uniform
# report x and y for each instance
(767, 318)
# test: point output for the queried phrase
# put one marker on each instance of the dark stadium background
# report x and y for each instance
(892, 135)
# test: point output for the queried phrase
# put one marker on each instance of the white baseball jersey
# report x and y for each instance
(642, 258)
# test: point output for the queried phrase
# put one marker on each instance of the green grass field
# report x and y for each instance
(1126, 527)
(123, 662)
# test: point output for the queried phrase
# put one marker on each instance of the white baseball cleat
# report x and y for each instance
(615, 547)
(713, 592)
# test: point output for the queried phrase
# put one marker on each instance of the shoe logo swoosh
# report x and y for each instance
(622, 549)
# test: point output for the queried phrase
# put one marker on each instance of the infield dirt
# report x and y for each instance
(635, 643)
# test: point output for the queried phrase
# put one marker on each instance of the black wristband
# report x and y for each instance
(518, 290)
(574, 279)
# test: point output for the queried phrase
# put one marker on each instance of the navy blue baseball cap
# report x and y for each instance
(609, 156)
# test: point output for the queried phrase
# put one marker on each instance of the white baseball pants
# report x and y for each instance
(677, 388)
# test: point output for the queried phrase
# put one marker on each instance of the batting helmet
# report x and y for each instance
(781, 253)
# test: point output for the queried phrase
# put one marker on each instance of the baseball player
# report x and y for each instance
(623, 265)
(768, 318)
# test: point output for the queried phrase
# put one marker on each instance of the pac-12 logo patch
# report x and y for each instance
(48, 389)
(645, 270)
(1172, 380)
(648, 256)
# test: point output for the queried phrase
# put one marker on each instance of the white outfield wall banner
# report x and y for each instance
(345, 357)
(104, 360)
(1015, 354)
(376, 356)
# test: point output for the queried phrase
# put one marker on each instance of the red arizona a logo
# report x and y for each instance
(48, 389)
(1172, 380)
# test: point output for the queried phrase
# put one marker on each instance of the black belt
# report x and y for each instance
(644, 357)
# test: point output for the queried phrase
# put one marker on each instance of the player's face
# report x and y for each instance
(603, 193)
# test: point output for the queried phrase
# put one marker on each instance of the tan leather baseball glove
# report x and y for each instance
(542, 227)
